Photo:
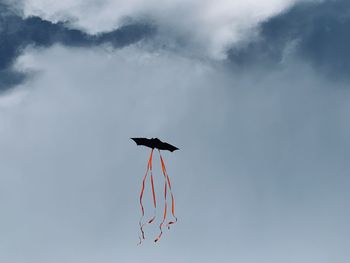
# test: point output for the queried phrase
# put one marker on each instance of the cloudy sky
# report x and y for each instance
(256, 94)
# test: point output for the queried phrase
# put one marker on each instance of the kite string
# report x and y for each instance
(149, 167)
(166, 176)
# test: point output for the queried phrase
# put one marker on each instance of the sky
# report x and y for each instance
(256, 94)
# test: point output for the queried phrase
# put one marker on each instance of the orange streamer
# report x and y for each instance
(171, 193)
(167, 184)
(149, 168)
(165, 212)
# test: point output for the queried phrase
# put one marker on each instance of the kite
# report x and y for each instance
(155, 143)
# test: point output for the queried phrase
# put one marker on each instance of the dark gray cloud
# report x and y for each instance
(315, 32)
(16, 33)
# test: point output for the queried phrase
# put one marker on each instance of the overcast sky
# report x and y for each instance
(256, 94)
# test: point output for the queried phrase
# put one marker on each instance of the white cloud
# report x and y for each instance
(262, 169)
(207, 26)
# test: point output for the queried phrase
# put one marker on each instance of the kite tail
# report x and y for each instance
(149, 167)
(166, 176)
(165, 212)
(151, 220)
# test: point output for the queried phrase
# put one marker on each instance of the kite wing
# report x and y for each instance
(142, 141)
(167, 146)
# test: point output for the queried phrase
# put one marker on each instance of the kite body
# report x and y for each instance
(155, 143)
